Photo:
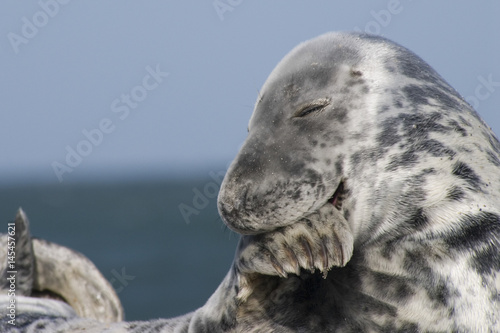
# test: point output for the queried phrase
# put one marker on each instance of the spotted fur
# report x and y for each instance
(368, 197)
(421, 196)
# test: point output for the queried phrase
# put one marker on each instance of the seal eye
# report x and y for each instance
(310, 108)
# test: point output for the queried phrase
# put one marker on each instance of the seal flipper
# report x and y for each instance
(19, 248)
(47, 270)
(320, 241)
(75, 278)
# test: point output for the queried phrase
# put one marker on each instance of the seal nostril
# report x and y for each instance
(227, 207)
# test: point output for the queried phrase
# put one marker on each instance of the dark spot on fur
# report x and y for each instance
(391, 286)
(493, 158)
(320, 76)
(475, 230)
(355, 72)
(487, 260)
(415, 94)
(388, 248)
(338, 140)
(495, 145)
(339, 114)
(418, 220)
(384, 108)
(422, 95)
(456, 126)
(464, 122)
(411, 131)
(463, 171)
(295, 168)
(441, 293)
(347, 214)
(428, 171)
(414, 67)
(292, 92)
(407, 159)
(390, 68)
(455, 193)
(296, 195)
(38, 326)
(354, 82)
(312, 177)
(389, 135)
(338, 167)
(437, 289)
(356, 158)
(435, 148)
(409, 328)
(415, 262)
(420, 125)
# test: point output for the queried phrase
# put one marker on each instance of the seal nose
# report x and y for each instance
(226, 209)
(231, 205)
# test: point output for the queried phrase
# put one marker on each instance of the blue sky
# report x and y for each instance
(166, 88)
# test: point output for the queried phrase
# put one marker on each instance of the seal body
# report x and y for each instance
(368, 198)
(420, 178)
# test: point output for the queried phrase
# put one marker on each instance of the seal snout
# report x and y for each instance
(231, 204)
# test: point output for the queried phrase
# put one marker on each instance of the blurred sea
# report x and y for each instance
(135, 230)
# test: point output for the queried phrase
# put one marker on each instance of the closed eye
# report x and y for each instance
(311, 108)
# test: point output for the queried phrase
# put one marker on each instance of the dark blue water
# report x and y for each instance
(172, 263)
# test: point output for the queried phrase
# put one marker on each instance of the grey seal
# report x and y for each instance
(361, 159)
